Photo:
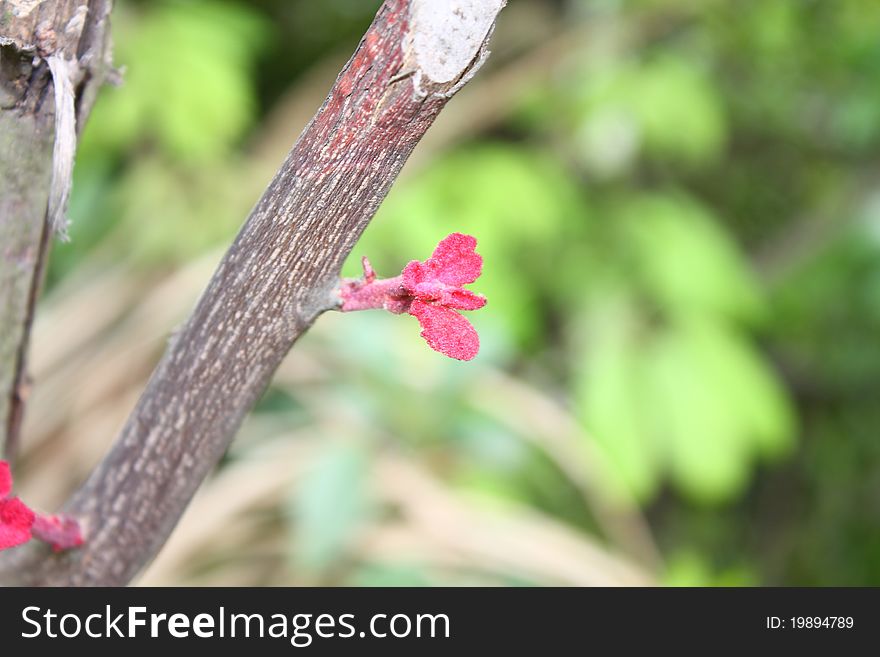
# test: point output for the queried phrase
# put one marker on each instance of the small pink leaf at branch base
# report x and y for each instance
(5, 479)
(61, 532)
(16, 518)
(18, 523)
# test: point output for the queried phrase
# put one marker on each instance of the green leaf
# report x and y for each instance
(610, 398)
(688, 568)
(707, 454)
(685, 260)
(668, 104)
(757, 402)
(203, 205)
(188, 82)
(716, 407)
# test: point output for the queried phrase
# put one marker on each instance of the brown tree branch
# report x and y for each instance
(277, 277)
(53, 57)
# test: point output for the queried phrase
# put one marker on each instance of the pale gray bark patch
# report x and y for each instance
(23, 8)
(448, 39)
(65, 143)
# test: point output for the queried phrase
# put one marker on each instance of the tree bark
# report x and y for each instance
(53, 57)
(280, 273)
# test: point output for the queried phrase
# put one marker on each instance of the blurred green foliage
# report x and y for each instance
(333, 502)
(681, 245)
(170, 48)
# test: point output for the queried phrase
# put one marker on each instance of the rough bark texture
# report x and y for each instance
(277, 277)
(69, 38)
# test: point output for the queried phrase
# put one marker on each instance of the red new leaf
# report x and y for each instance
(431, 291)
(16, 519)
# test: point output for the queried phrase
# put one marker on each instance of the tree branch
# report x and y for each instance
(51, 53)
(277, 277)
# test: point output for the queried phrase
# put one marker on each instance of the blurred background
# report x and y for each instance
(678, 208)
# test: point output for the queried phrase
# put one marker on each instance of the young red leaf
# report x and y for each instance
(5, 479)
(446, 331)
(18, 523)
(431, 291)
(16, 518)
(454, 263)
